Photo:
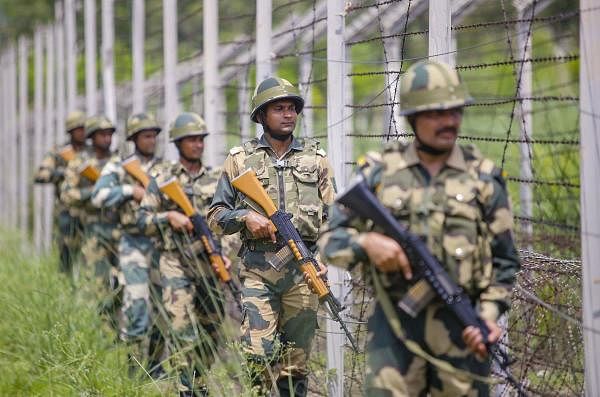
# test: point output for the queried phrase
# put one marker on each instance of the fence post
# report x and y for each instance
(394, 123)
(38, 125)
(91, 105)
(336, 86)
(305, 88)
(589, 119)
(211, 83)
(137, 55)
(49, 134)
(108, 62)
(170, 64)
(4, 190)
(70, 51)
(264, 11)
(244, 105)
(24, 143)
(60, 72)
(12, 135)
(440, 33)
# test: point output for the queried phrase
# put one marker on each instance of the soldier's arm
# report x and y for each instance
(109, 191)
(150, 219)
(339, 243)
(495, 300)
(327, 187)
(48, 172)
(223, 216)
(71, 193)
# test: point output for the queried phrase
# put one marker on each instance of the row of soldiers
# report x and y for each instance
(135, 236)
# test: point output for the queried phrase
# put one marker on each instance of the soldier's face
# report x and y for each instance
(192, 147)
(78, 135)
(145, 142)
(280, 117)
(439, 128)
(102, 139)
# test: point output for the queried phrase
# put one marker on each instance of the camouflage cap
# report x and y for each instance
(187, 124)
(75, 119)
(274, 89)
(431, 85)
(140, 122)
(98, 123)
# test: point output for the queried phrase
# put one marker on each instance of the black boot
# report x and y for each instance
(299, 386)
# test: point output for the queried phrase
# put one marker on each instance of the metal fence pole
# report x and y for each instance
(49, 133)
(38, 126)
(336, 87)
(244, 105)
(170, 64)
(589, 119)
(4, 202)
(264, 22)
(60, 73)
(306, 73)
(440, 33)
(24, 143)
(70, 54)
(12, 136)
(211, 83)
(91, 81)
(108, 62)
(137, 54)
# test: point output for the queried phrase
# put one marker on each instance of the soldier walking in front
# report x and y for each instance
(278, 304)
(139, 277)
(52, 170)
(192, 296)
(456, 201)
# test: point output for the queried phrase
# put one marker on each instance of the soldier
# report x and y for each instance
(52, 170)
(138, 259)
(456, 200)
(192, 297)
(101, 234)
(298, 178)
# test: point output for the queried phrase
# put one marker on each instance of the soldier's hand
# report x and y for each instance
(227, 262)
(138, 193)
(260, 226)
(474, 340)
(179, 221)
(322, 273)
(385, 254)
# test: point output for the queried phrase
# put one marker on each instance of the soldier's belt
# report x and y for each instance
(268, 246)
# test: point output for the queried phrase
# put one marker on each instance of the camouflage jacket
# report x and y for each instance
(114, 190)
(52, 170)
(463, 214)
(300, 182)
(152, 217)
(76, 191)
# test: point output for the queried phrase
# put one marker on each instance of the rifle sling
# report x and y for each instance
(414, 347)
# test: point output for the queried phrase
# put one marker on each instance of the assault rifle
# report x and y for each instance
(173, 190)
(432, 278)
(90, 172)
(67, 153)
(248, 184)
(133, 167)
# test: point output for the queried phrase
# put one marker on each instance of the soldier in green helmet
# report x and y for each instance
(120, 189)
(456, 201)
(278, 304)
(192, 296)
(101, 235)
(52, 170)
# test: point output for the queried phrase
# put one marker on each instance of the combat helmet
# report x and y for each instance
(98, 123)
(431, 85)
(187, 124)
(273, 89)
(140, 122)
(75, 119)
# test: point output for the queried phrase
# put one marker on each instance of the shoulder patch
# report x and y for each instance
(235, 150)
(321, 152)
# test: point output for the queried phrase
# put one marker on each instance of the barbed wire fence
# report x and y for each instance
(520, 59)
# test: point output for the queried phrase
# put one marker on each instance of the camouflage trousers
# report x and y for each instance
(139, 279)
(279, 308)
(99, 250)
(68, 240)
(394, 371)
(194, 306)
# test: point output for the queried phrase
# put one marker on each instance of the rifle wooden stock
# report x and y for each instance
(133, 166)
(90, 172)
(173, 190)
(67, 153)
(248, 183)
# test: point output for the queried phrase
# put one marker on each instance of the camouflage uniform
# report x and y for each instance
(139, 276)
(464, 216)
(101, 234)
(276, 302)
(67, 223)
(192, 297)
